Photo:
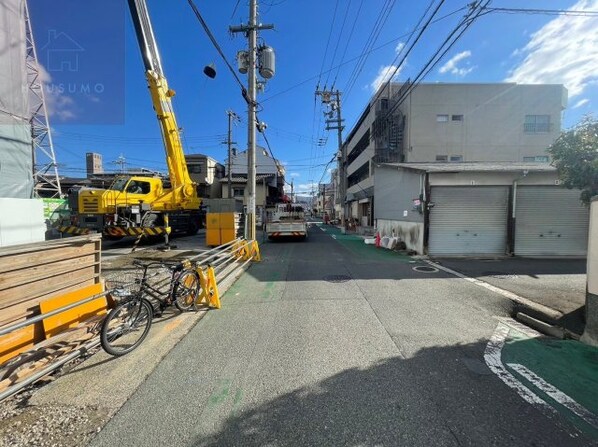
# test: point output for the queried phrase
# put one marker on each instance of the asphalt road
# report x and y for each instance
(331, 342)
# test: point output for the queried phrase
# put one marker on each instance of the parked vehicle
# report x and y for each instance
(287, 220)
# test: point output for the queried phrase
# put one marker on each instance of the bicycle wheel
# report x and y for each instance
(126, 326)
(186, 290)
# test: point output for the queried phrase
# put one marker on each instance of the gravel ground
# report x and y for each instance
(22, 424)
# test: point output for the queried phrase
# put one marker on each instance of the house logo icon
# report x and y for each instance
(62, 52)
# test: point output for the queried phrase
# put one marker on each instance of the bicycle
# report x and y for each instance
(128, 323)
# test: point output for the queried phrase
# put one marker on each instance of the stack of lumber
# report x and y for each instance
(28, 363)
(39, 278)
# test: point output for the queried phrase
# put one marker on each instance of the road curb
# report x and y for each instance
(545, 311)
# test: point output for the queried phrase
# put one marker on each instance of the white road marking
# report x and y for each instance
(528, 331)
(492, 356)
(556, 394)
(334, 236)
(552, 313)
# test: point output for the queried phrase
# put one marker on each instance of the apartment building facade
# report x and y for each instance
(448, 123)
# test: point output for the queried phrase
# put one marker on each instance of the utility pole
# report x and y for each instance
(250, 31)
(231, 116)
(335, 122)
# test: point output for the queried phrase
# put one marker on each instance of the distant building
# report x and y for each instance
(206, 172)
(269, 178)
(94, 163)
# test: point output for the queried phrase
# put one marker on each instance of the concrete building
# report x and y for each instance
(500, 208)
(94, 164)
(449, 123)
(206, 172)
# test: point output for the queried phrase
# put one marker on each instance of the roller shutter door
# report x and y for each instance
(468, 220)
(550, 221)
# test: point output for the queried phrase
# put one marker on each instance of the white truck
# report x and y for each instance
(287, 220)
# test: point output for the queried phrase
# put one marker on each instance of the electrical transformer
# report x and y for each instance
(267, 62)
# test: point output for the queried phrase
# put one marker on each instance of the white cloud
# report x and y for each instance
(295, 174)
(59, 105)
(581, 102)
(451, 66)
(385, 72)
(564, 51)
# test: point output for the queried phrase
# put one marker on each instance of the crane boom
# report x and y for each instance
(161, 99)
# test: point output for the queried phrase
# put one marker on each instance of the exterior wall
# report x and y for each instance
(492, 178)
(367, 183)
(412, 233)
(21, 221)
(590, 335)
(493, 121)
(395, 190)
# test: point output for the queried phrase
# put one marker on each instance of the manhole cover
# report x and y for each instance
(337, 278)
(425, 269)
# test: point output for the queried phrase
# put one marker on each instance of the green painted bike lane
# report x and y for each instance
(364, 252)
(567, 365)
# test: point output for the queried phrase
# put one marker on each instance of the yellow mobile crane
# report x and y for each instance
(144, 205)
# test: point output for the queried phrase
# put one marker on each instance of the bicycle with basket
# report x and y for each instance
(142, 292)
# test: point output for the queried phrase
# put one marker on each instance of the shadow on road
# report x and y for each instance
(440, 396)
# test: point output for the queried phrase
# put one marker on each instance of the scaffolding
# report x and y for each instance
(45, 169)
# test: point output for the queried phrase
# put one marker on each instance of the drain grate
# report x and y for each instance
(425, 269)
(337, 278)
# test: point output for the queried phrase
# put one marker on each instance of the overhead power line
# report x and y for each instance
(553, 12)
(353, 59)
(218, 48)
(473, 13)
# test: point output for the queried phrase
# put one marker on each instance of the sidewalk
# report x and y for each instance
(561, 373)
(558, 284)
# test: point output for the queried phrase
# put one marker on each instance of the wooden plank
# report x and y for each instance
(37, 246)
(37, 273)
(42, 257)
(73, 317)
(27, 292)
(30, 308)
(19, 341)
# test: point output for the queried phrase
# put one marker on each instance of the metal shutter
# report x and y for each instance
(468, 220)
(550, 221)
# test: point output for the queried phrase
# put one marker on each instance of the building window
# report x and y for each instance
(442, 118)
(442, 158)
(194, 168)
(537, 158)
(457, 117)
(536, 123)
(456, 158)
(238, 192)
(384, 104)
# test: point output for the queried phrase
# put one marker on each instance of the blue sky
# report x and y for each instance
(521, 47)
